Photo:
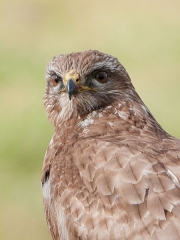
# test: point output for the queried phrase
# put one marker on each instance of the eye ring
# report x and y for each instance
(55, 80)
(101, 77)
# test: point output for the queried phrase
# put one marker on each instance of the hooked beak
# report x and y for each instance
(71, 87)
(72, 82)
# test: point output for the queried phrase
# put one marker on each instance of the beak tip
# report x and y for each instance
(71, 88)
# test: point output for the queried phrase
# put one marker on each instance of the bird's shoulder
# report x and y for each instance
(116, 167)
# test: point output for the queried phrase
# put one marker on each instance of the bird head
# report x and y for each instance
(78, 83)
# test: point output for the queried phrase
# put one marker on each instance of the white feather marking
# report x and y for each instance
(121, 114)
(46, 190)
(66, 107)
(86, 122)
(173, 178)
(136, 111)
(51, 142)
(62, 223)
(93, 114)
(145, 109)
(108, 107)
(89, 120)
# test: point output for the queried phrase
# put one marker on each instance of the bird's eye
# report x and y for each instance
(55, 80)
(101, 77)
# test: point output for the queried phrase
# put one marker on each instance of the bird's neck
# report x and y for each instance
(122, 117)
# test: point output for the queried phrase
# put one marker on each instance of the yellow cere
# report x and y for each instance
(75, 76)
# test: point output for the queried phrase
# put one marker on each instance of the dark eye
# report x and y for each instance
(55, 80)
(101, 77)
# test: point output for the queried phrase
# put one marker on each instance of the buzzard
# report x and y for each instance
(110, 172)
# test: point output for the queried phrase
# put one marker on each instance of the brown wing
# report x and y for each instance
(138, 188)
(117, 178)
(116, 190)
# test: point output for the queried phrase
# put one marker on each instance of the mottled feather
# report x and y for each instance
(110, 171)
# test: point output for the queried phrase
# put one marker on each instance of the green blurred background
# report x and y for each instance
(144, 35)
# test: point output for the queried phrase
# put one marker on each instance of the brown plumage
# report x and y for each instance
(110, 171)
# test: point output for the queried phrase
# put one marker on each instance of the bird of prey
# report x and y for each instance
(110, 172)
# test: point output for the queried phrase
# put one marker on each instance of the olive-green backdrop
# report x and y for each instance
(144, 35)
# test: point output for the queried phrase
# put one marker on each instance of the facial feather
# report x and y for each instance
(57, 104)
